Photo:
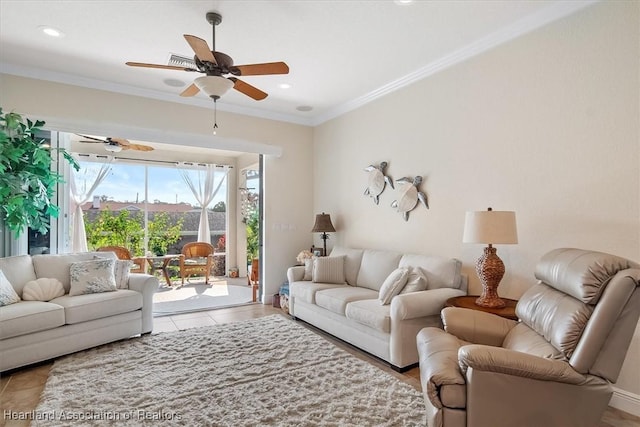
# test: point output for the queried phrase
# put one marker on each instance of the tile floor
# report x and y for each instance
(20, 390)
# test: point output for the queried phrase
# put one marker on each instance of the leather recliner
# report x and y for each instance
(553, 367)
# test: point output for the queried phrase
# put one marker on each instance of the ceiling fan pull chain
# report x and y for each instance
(215, 116)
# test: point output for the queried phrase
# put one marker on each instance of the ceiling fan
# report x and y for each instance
(215, 65)
(116, 145)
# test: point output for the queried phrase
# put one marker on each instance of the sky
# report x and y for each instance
(125, 183)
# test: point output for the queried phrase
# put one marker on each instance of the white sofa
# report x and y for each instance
(352, 312)
(34, 331)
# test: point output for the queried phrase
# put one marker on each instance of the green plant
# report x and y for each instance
(253, 230)
(162, 234)
(27, 183)
(116, 229)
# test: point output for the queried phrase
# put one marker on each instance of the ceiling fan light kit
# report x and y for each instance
(112, 148)
(213, 86)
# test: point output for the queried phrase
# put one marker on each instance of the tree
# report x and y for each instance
(162, 234)
(116, 229)
(219, 207)
(253, 236)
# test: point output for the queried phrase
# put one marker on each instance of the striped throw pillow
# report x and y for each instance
(329, 269)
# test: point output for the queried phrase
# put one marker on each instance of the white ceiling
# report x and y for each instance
(341, 54)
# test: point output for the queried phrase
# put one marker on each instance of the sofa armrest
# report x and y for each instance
(295, 273)
(510, 362)
(476, 327)
(421, 304)
(147, 285)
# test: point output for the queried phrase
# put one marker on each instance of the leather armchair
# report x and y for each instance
(553, 367)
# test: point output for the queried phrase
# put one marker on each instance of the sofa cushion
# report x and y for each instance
(353, 258)
(91, 277)
(369, 312)
(336, 299)
(18, 270)
(329, 270)
(440, 272)
(306, 291)
(416, 281)
(308, 268)
(121, 271)
(375, 267)
(27, 317)
(57, 266)
(392, 285)
(81, 308)
(8, 295)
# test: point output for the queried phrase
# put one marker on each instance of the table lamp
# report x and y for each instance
(490, 227)
(323, 225)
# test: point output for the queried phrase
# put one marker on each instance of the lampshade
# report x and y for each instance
(114, 148)
(214, 86)
(323, 224)
(491, 227)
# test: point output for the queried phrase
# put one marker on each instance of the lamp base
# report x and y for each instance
(490, 270)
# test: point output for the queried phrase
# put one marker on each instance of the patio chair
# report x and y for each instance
(123, 253)
(196, 258)
(253, 278)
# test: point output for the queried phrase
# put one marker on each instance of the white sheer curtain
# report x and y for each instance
(204, 193)
(80, 196)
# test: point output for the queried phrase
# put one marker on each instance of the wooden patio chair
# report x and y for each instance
(196, 258)
(253, 278)
(124, 253)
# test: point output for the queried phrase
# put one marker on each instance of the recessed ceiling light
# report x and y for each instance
(284, 86)
(403, 2)
(173, 82)
(50, 31)
(304, 108)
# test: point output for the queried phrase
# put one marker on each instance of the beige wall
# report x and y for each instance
(289, 147)
(546, 125)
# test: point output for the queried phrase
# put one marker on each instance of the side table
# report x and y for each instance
(469, 301)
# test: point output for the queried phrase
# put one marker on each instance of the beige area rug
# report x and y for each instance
(198, 296)
(262, 372)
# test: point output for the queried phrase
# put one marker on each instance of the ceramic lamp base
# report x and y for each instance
(490, 270)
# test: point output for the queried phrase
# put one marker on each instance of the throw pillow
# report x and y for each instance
(42, 289)
(8, 295)
(329, 269)
(392, 285)
(121, 271)
(89, 277)
(416, 281)
(308, 268)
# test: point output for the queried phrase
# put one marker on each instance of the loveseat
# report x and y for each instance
(376, 300)
(37, 330)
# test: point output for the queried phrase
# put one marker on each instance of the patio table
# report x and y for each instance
(161, 262)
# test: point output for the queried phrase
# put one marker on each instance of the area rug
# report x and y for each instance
(196, 297)
(268, 371)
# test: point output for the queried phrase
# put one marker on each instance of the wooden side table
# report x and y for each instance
(469, 301)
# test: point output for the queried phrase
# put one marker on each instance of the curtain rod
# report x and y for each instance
(104, 156)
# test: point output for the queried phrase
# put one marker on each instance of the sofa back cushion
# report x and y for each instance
(352, 260)
(57, 266)
(375, 268)
(18, 270)
(441, 272)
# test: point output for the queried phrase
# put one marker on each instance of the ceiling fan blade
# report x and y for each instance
(201, 48)
(262, 69)
(93, 139)
(138, 147)
(164, 67)
(191, 90)
(247, 89)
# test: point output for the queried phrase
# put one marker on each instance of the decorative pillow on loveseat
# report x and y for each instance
(329, 269)
(416, 281)
(8, 295)
(90, 277)
(392, 285)
(42, 289)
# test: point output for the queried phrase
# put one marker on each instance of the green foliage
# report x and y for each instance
(116, 229)
(27, 183)
(123, 229)
(162, 234)
(219, 207)
(253, 236)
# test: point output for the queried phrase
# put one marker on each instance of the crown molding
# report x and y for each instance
(504, 35)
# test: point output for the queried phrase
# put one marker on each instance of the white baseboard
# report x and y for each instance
(625, 401)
